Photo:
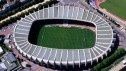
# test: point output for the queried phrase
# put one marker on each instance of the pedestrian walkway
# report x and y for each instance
(120, 21)
(118, 67)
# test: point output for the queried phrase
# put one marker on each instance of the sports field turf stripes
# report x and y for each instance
(60, 37)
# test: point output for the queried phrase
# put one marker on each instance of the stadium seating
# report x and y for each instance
(103, 44)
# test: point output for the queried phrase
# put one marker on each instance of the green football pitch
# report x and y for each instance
(66, 38)
(117, 7)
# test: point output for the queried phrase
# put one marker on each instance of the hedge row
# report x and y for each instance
(109, 60)
(112, 65)
(14, 19)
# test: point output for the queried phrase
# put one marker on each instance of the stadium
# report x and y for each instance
(66, 16)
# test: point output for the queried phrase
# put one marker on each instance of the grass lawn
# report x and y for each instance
(66, 38)
(117, 7)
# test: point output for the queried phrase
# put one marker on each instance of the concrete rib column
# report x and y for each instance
(87, 15)
(27, 19)
(97, 52)
(73, 57)
(55, 59)
(77, 12)
(49, 57)
(68, 10)
(72, 12)
(53, 11)
(35, 13)
(61, 59)
(79, 58)
(91, 56)
(67, 59)
(63, 11)
(43, 12)
(58, 11)
(32, 16)
(48, 11)
(85, 57)
(38, 14)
